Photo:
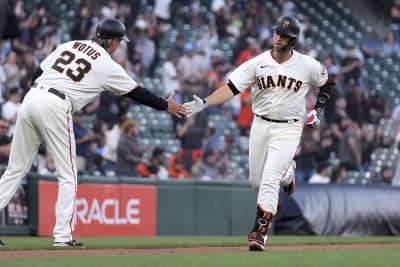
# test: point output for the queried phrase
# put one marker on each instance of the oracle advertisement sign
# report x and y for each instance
(103, 209)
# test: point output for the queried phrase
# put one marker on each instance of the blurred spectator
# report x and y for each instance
(249, 29)
(99, 129)
(264, 32)
(177, 169)
(306, 30)
(339, 121)
(252, 50)
(352, 61)
(369, 142)
(5, 141)
(350, 148)
(305, 159)
(205, 43)
(145, 49)
(156, 167)
(288, 8)
(338, 175)
(191, 133)
(162, 11)
(98, 166)
(329, 62)
(395, 20)
(396, 134)
(216, 77)
(390, 47)
(3, 79)
(110, 147)
(109, 108)
(49, 168)
(129, 152)
(326, 147)
(374, 107)
(13, 72)
(354, 107)
(8, 21)
(219, 9)
(82, 25)
(83, 141)
(178, 46)
(322, 176)
(11, 107)
(206, 168)
(213, 140)
(245, 118)
(386, 175)
(94, 163)
(396, 124)
(192, 66)
(170, 77)
(373, 45)
(29, 66)
(3, 17)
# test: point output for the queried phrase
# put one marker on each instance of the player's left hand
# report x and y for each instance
(312, 119)
(198, 104)
(174, 108)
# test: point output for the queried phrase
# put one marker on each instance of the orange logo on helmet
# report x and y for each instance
(285, 24)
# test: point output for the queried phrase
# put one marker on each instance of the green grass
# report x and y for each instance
(306, 258)
(35, 243)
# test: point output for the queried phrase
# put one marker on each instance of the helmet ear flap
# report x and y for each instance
(292, 41)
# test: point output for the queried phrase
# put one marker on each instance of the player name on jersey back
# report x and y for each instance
(86, 49)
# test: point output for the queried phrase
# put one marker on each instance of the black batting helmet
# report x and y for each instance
(289, 26)
(110, 29)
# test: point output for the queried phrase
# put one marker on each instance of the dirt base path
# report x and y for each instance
(197, 250)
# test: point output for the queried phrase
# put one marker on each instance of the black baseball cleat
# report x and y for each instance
(256, 241)
(2, 244)
(70, 244)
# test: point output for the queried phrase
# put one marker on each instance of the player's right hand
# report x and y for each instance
(312, 119)
(198, 104)
(174, 108)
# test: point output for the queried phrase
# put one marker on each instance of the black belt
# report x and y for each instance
(53, 91)
(57, 93)
(277, 121)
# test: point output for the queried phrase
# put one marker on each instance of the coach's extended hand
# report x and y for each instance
(174, 108)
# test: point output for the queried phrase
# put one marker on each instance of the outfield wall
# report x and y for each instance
(145, 207)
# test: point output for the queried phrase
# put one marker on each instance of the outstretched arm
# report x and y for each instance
(145, 97)
(219, 96)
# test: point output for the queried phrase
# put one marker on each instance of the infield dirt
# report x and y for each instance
(163, 251)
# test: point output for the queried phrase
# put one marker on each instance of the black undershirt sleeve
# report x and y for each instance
(36, 75)
(145, 97)
(233, 88)
(324, 94)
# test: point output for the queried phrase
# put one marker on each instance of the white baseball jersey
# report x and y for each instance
(81, 70)
(279, 89)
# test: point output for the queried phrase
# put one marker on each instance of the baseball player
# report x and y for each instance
(279, 80)
(68, 79)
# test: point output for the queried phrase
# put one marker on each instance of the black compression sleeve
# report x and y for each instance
(324, 94)
(36, 75)
(145, 97)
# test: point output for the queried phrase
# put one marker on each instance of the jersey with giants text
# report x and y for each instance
(279, 89)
